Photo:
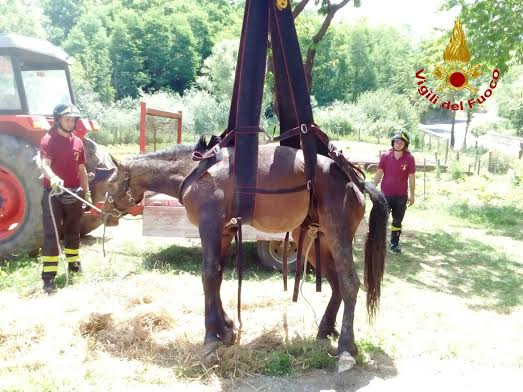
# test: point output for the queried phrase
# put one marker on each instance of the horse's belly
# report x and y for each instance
(280, 213)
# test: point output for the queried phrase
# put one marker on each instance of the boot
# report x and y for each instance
(75, 267)
(49, 285)
(395, 242)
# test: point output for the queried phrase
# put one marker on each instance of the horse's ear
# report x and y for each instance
(213, 141)
(115, 162)
(202, 144)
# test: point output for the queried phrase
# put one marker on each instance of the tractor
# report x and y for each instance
(34, 78)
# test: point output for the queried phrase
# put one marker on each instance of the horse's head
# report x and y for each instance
(120, 196)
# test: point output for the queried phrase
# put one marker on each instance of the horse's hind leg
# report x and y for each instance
(339, 234)
(328, 269)
(328, 321)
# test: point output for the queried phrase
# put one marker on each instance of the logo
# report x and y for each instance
(456, 74)
(76, 155)
(403, 166)
(281, 4)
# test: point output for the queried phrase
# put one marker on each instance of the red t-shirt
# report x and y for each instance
(396, 173)
(66, 155)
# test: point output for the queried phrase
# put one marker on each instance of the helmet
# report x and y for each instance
(66, 110)
(401, 135)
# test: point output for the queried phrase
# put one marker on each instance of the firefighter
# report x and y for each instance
(63, 165)
(397, 168)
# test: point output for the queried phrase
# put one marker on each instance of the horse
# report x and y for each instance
(208, 203)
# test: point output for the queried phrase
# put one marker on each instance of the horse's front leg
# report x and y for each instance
(230, 334)
(211, 227)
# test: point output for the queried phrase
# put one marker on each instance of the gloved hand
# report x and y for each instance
(56, 183)
(87, 197)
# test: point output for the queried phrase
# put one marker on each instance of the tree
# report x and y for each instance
(88, 43)
(493, 30)
(510, 99)
(328, 9)
(170, 52)
(22, 17)
(128, 74)
(63, 16)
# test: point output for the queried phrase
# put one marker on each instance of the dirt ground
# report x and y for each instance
(428, 337)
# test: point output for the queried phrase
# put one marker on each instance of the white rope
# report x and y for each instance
(312, 232)
(57, 235)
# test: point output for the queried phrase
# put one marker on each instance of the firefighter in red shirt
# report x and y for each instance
(397, 168)
(63, 165)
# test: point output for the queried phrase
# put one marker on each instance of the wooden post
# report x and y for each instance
(430, 143)
(447, 151)
(489, 165)
(435, 156)
(437, 148)
(457, 156)
(470, 169)
(143, 112)
(479, 163)
(423, 141)
(179, 130)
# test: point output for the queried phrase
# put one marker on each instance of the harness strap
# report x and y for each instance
(239, 265)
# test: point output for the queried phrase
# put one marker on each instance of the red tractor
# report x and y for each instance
(34, 78)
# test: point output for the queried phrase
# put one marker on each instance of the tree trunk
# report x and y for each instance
(311, 51)
(452, 137)
(470, 114)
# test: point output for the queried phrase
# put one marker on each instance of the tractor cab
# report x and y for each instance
(34, 78)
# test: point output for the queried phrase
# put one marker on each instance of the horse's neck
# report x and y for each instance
(161, 176)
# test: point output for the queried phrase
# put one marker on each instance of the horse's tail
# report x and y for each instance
(375, 248)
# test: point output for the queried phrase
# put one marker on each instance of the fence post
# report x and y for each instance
(479, 163)
(143, 112)
(489, 165)
(457, 156)
(430, 143)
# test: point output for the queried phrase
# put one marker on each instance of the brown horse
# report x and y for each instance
(208, 204)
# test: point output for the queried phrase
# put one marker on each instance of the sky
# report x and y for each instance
(419, 16)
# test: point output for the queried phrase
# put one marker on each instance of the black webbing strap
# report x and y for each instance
(239, 264)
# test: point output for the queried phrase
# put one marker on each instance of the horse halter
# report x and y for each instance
(130, 199)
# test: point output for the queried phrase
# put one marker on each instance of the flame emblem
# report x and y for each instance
(456, 72)
(281, 4)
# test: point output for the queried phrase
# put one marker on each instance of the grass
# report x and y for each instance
(502, 220)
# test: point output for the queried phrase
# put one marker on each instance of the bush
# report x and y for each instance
(340, 118)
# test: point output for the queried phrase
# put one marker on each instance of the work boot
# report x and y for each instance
(49, 285)
(395, 248)
(395, 242)
(75, 267)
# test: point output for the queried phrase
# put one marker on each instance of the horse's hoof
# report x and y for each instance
(210, 348)
(345, 362)
(229, 336)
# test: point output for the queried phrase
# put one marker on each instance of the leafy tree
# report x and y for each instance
(63, 16)
(126, 54)
(510, 99)
(88, 43)
(22, 17)
(493, 30)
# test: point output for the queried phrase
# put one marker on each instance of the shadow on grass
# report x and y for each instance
(470, 269)
(502, 220)
(188, 259)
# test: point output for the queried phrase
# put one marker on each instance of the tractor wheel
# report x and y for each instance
(270, 254)
(20, 194)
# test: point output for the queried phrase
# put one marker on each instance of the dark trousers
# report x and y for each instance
(397, 205)
(68, 213)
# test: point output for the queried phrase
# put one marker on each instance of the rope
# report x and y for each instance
(312, 233)
(57, 235)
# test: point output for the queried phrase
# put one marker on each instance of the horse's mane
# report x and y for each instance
(173, 152)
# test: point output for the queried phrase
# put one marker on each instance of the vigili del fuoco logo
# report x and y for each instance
(456, 73)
